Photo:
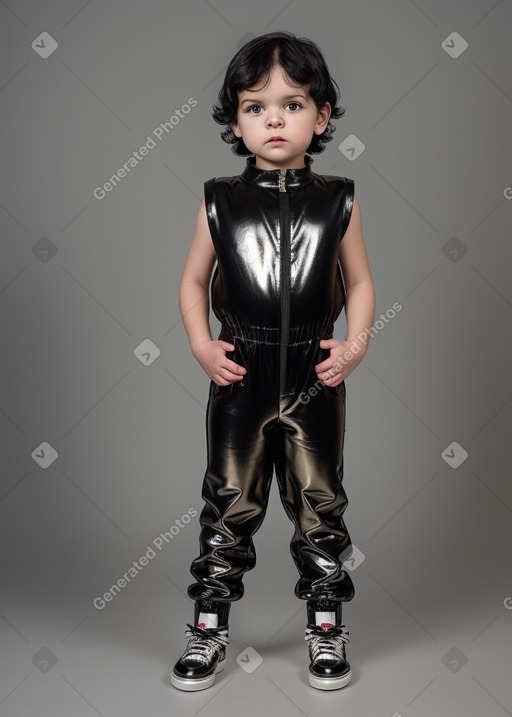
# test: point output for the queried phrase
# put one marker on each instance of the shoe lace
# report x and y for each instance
(329, 641)
(204, 642)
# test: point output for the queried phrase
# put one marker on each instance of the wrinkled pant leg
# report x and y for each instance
(235, 489)
(309, 472)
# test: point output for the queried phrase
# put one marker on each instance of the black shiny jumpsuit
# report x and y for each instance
(277, 290)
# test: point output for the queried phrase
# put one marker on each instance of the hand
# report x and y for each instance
(340, 363)
(212, 357)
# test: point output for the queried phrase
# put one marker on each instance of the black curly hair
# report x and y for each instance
(304, 63)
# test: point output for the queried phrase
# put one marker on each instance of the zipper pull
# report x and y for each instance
(282, 175)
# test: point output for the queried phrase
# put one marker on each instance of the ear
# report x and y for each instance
(324, 114)
(235, 128)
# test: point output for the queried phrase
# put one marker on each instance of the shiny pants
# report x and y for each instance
(253, 426)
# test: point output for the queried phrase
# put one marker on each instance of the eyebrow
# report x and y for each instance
(284, 97)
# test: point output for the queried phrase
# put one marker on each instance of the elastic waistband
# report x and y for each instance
(269, 335)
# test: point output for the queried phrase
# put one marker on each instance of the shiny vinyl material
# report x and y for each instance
(277, 290)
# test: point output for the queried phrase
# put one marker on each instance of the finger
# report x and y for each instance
(230, 375)
(235, 367)
(323, 365)
(219, 380)
(328, 376)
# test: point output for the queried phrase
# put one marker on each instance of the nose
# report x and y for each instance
(274, 119)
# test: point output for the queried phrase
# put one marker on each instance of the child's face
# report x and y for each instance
(283, 110)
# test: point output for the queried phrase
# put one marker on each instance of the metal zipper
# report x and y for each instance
(284, 214)
(282, 180)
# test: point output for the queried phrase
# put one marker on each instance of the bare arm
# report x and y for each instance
(360, 292)
(195, 307)
(195, 281)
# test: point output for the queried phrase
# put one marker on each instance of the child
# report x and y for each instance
(277, 388)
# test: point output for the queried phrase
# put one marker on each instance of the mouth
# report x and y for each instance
(276, 140)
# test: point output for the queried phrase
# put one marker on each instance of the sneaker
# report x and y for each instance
(204, 656)
(328, 669)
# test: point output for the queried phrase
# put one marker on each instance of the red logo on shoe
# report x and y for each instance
(326, 624)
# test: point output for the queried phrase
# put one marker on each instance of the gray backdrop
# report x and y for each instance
(103, 405)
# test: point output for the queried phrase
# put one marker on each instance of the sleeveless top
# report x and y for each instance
(276, 235)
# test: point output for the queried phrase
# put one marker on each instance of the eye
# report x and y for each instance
(295, 106)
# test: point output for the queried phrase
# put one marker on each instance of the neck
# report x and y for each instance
(293, 164)
(280, 179)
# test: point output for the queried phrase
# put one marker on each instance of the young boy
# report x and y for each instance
(290, 255)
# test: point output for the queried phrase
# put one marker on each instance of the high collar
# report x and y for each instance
(270, 178)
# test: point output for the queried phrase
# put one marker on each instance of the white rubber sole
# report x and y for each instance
(329, 683)
(189, 685)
